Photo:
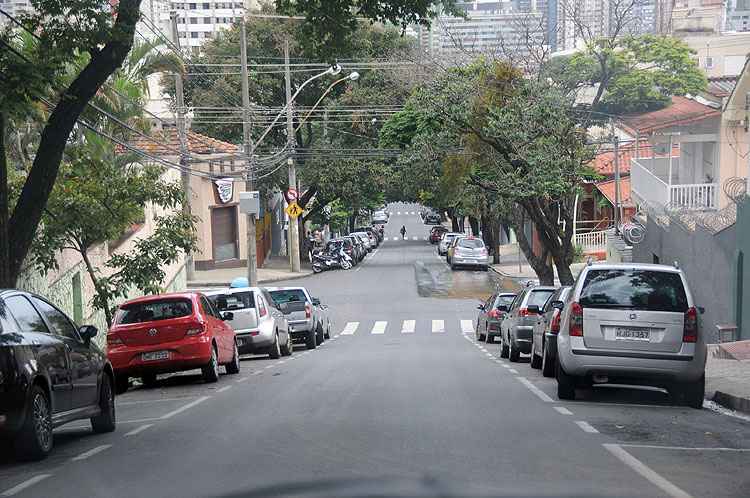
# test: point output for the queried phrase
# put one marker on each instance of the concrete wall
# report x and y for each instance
(728, 51)
(707, 261)
(741, 269)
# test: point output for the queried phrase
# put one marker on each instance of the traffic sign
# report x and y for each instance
(293, 210)
(291, 194)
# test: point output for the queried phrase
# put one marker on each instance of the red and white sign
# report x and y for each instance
(291, 194)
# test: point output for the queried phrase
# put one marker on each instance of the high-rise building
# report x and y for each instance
(738, 15)
(198, 21)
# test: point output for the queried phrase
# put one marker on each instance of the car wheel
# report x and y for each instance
(122, 383)
(34, 440)
(106, 420)
(233, 367)
(149, 380)
(548, 363)
(288, 347)
(311, 342)
(321, 336)
(275, 350)
(346, 265)
(566, 385)
(489, 339)
(536, 360)
(504, 350)
(690, 393)
(327, 335)
(513, 353)
(211, 369)
(481, 337)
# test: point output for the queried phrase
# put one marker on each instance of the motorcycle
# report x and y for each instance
(327, 261)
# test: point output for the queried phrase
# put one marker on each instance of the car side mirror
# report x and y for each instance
(701, 309)
(533, 308)
(480, 307)
(503, 308)
(558, 305)
(316, 301)
(87, 332)
(227, 315)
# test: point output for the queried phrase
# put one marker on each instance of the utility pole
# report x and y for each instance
(294, 258)
(252, 257)
(184, 150)
(618, 214)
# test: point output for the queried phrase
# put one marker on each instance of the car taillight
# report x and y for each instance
(114, 340)
(554, 326)
(262, 311)
(495, 314)
(575, 329)
(526, 312)
(308, 311)
(483, 252)
(690, 330)
(196, 329)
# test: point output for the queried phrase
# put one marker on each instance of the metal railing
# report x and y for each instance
(694, 196)
(592, 241)
(649, 187)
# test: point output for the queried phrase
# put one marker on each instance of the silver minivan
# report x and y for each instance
(631, 323)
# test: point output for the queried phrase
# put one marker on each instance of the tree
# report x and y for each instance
(65, 31)
(98, 197)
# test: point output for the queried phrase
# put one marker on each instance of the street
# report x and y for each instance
(402, 401)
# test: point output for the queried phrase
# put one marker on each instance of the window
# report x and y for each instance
(206, 6)
(288, 296)
(193, 20)
(641, 289)
(194, 35)
(470, 243)
(27, 317)
(208, 308)
(191, 6)
(233, 301)
(539, 297)
(504, 300)
(58, 322)
(153, 311)
(709, 62)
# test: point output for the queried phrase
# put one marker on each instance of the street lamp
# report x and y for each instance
(353, 76)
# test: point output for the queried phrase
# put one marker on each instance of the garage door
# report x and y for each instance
(224, 233)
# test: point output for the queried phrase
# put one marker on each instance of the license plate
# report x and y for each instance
(155, 355)
(624, 334)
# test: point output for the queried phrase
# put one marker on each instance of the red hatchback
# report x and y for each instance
(436, 232)
(170, 333)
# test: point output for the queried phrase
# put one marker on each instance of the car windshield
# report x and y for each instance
(637, 289)
(539, 297)
(504, 300)
(153, 311)
(470, 243)
(288, 296)
(233, 301)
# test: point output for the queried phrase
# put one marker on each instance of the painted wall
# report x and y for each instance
(741, 271)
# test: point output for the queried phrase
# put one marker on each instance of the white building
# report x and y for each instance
(738, 15)
(14, 8)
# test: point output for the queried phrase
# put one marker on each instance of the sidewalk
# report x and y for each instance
(728, 375)
(514, 265)
(274, 269)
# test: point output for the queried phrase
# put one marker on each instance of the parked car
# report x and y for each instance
(468, 251)
(51, 373)
(374, 232)
(544, 336)
(308, 323)
(632, 324)
(436, 233)
(259, 326)
(446, 240)
(380, 217)
(165, 333)
(517, 328)
(359, 247)
(432, 219)
(491, 314)
(365, 240)
(371, 236)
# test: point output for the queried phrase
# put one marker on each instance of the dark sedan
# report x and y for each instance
(51, 373)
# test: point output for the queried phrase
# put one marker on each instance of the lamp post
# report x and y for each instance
(353, 76)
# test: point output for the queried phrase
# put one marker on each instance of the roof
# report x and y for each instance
(166, 142)
(607, 188)
(721, 86)
(682, 111)
(159, 297)
(604, 162)
(604, 265)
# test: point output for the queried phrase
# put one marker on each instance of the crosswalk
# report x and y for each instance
(437, 326)
(424, 237)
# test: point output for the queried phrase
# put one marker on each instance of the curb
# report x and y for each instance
(732, 402)
(203, 284)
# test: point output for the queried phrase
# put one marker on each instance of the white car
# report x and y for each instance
(446, 240)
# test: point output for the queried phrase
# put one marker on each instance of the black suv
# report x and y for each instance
(50, 374)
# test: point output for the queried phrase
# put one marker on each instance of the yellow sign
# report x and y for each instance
(293, 210)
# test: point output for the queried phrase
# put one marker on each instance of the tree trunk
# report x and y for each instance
(540, 264)
(97, 285)
(454, 222)
(474, 224)
(495, 229)
(27, 214)
(7, 277)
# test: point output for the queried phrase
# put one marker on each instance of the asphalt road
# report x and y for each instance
(405, 403)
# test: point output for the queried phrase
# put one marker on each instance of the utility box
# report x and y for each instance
(250, 202)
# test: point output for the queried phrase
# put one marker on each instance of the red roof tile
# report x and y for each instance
(604, 161)
(721, 86)
(682, 111)
(607, 188)
(165, 142)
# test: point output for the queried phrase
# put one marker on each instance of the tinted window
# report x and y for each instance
(58, 322)
(539, 297)
(288, 296)
(208, 307)
(641, 289)
(154, 310)
(233, 301)
(470, 243)
(504, 300)
(27, 317)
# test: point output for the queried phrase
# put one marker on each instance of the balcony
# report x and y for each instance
(657, 182)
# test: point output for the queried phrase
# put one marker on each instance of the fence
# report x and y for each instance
(592, 241)
(694, 196)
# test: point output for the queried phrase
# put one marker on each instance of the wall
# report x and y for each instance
(741, 271)
(728, 51)
(707, 261)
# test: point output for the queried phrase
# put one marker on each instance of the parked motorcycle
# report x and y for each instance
(327, 261)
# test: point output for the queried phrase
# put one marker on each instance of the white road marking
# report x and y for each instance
(425, 238)
(398, 212)
(140, 402)
(25, 484)
(513, 370)
(539, 393)
(645, 471)
(563, 411)
(258, 372)
(438, 326)
(682, 448)
(408, 326)
(379, 328)
(91, 452)
(183, 408)
(223, 389)
(586, 427)
(415, 238)
(138, 430)
(505, 365)
(241, 379)
(350, 329)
